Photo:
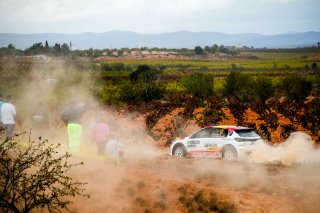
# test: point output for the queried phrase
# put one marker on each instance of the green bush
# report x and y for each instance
(199, 85)
(140, 92)
(239, 85)
(106, 67)
(317, 83)
(295, 87)
(263, 89)
(110, 94)
(118, 66)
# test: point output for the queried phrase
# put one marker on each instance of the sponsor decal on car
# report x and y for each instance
(205, 153)
(210, 145)
(213, 149)
(193, 142)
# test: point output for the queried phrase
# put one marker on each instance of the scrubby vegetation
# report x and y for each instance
(203, 201)
(35, 177)
(272, 84)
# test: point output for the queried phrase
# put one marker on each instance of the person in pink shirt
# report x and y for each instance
(100, 135)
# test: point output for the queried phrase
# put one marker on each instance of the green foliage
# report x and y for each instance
(39, 48)
(317, 83)
(295, 87)
(106, 67)
(110, 94)
(142, 86)
(263, 89)
(198, 50)
(35, 177)
(9, 51)
(140, 92)
(314, 66)
(239, 85)
(199, 85)
(118, 66)
(145, 74)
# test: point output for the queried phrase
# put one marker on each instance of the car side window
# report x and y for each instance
(219, 133)
(204, 133)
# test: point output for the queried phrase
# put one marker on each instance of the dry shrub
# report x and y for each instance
(195, 200)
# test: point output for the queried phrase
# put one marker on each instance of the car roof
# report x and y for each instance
(228, 127)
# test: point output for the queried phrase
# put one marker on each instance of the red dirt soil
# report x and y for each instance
(149, 180)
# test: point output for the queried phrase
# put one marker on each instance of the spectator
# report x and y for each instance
(40, 120)
(115, 150)
(72, 115)
(8, 112)
(100, 135)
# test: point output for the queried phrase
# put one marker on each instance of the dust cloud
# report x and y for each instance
(298, 148)
(148, 179)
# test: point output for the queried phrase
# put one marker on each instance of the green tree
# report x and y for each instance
(118, 66)
(57, 48)
(34, 177)
(36, 48)
(145, 74)
(317, 83)
(314, 66)
(141, 92)
(215, 48)
(295, 87)
(263, 89)
(106, 67)
(65, 49)
(199, 85)
(11, 47)
(198, 50)
(239, 85)
(142, 86)
(223, 49)
(47, 45)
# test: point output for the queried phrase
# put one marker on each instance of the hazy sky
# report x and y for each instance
(157, 16)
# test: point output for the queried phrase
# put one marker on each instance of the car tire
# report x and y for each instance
(229, 154)
(179, 151)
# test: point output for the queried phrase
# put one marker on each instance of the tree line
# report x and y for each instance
(37, 49)
(144, 85)
(65, 49)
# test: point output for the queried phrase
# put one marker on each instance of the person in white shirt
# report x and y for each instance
(8, 112)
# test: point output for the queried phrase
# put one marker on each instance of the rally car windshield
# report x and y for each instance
(246, 133)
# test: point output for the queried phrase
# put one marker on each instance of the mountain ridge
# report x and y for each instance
(178, 39)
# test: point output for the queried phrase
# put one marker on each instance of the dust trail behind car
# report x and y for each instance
(297, 149)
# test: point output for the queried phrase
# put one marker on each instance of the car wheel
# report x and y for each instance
(180, 151)
(229, 154)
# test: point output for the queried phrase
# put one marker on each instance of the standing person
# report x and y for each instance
(40, 121)
(8, 112)
(115, 149)
(71, 116)
(100, 134)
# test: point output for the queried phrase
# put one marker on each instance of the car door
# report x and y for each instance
(212, 146)
(195, 143)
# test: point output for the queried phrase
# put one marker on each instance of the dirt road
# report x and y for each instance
(160, 183)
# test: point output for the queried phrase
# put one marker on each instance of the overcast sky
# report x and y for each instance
(158, 16)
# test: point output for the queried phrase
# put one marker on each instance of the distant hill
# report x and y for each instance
(180, 39)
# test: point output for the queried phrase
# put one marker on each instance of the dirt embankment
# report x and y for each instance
(149, 180)
(274, 127)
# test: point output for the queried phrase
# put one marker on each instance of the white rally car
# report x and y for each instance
(228, 142)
